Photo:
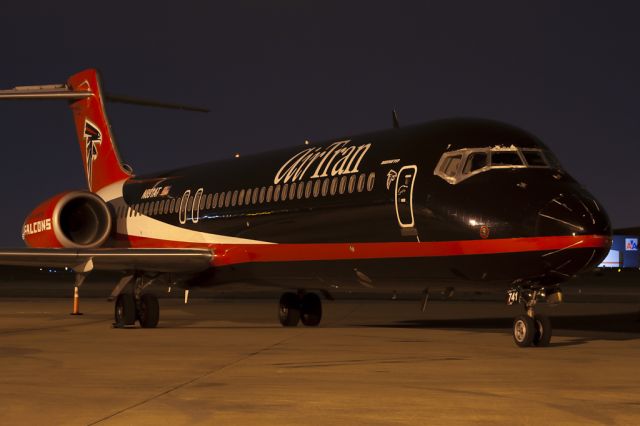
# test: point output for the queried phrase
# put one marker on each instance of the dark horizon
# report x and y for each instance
(279, 73)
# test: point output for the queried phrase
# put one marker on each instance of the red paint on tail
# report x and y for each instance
(102, 163)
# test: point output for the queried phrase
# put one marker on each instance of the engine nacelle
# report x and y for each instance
(76, 219)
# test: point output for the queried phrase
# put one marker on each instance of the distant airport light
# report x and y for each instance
(306, 142)
(237, 155)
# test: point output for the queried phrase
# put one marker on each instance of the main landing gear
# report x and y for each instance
(531, 329)
(137, 306)
(299, 307)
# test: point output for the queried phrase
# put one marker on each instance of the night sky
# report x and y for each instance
(275, 73)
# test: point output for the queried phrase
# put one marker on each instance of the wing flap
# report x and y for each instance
(125, 259)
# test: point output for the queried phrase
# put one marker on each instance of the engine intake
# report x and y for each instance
(76, 219)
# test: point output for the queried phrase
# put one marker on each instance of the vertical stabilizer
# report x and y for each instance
(100, 157)
(83, 91)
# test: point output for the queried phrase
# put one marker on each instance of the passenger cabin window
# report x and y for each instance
(343, 184)
(325, 187)
(308, 189)
(456, 166)
(334, 185)
(352, 183)
(371, 181)
(361, 181)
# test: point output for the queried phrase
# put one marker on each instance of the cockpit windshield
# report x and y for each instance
(456, 166)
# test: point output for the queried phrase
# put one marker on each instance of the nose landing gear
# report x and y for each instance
(531, 329)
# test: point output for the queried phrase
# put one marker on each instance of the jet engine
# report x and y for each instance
(77, 219)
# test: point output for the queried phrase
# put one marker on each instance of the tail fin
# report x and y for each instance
(102, 163)
(99, 154)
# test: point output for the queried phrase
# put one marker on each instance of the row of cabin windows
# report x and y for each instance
(288, 191)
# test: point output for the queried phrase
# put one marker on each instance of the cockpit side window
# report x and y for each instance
(451, 165)
(534, 158)
(456, 166)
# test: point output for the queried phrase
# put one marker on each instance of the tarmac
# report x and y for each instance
(371, 362)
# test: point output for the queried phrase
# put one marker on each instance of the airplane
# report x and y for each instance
(460, 200)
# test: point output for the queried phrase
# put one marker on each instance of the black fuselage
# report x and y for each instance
(378, 194)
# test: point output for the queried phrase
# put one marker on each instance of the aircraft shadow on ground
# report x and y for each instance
(610, 323)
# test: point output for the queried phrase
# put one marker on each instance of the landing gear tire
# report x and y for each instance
(524, 330)
(125, 310)
(311, 310)
(289, 309)
(148, 310)
(542, 336)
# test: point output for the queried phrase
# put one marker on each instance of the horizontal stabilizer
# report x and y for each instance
(152, 103)
(50, 91)
(63, 91)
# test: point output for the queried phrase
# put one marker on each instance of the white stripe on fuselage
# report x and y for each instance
(147, 227)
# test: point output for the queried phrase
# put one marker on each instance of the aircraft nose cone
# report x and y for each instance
(578, 215)
(573, 214)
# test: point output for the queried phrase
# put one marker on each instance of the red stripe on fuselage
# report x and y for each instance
(231, 254)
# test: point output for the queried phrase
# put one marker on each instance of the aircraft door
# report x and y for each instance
(404, 199)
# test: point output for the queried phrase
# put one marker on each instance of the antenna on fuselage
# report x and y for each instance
(394, 117)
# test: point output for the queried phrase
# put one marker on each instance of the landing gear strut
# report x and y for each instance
(300, 307)
(531, 329)
(139, 306)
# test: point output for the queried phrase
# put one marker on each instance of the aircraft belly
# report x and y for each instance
(482, 271)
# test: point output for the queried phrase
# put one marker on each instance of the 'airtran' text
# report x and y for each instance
(336, 159)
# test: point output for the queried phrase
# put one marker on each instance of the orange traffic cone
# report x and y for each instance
(76, 302)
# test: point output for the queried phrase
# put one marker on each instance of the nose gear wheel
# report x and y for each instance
(531, 329)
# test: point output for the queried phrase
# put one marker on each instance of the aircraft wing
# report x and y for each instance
(122, 259)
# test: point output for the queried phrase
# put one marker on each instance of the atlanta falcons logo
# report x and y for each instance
(92, 140)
